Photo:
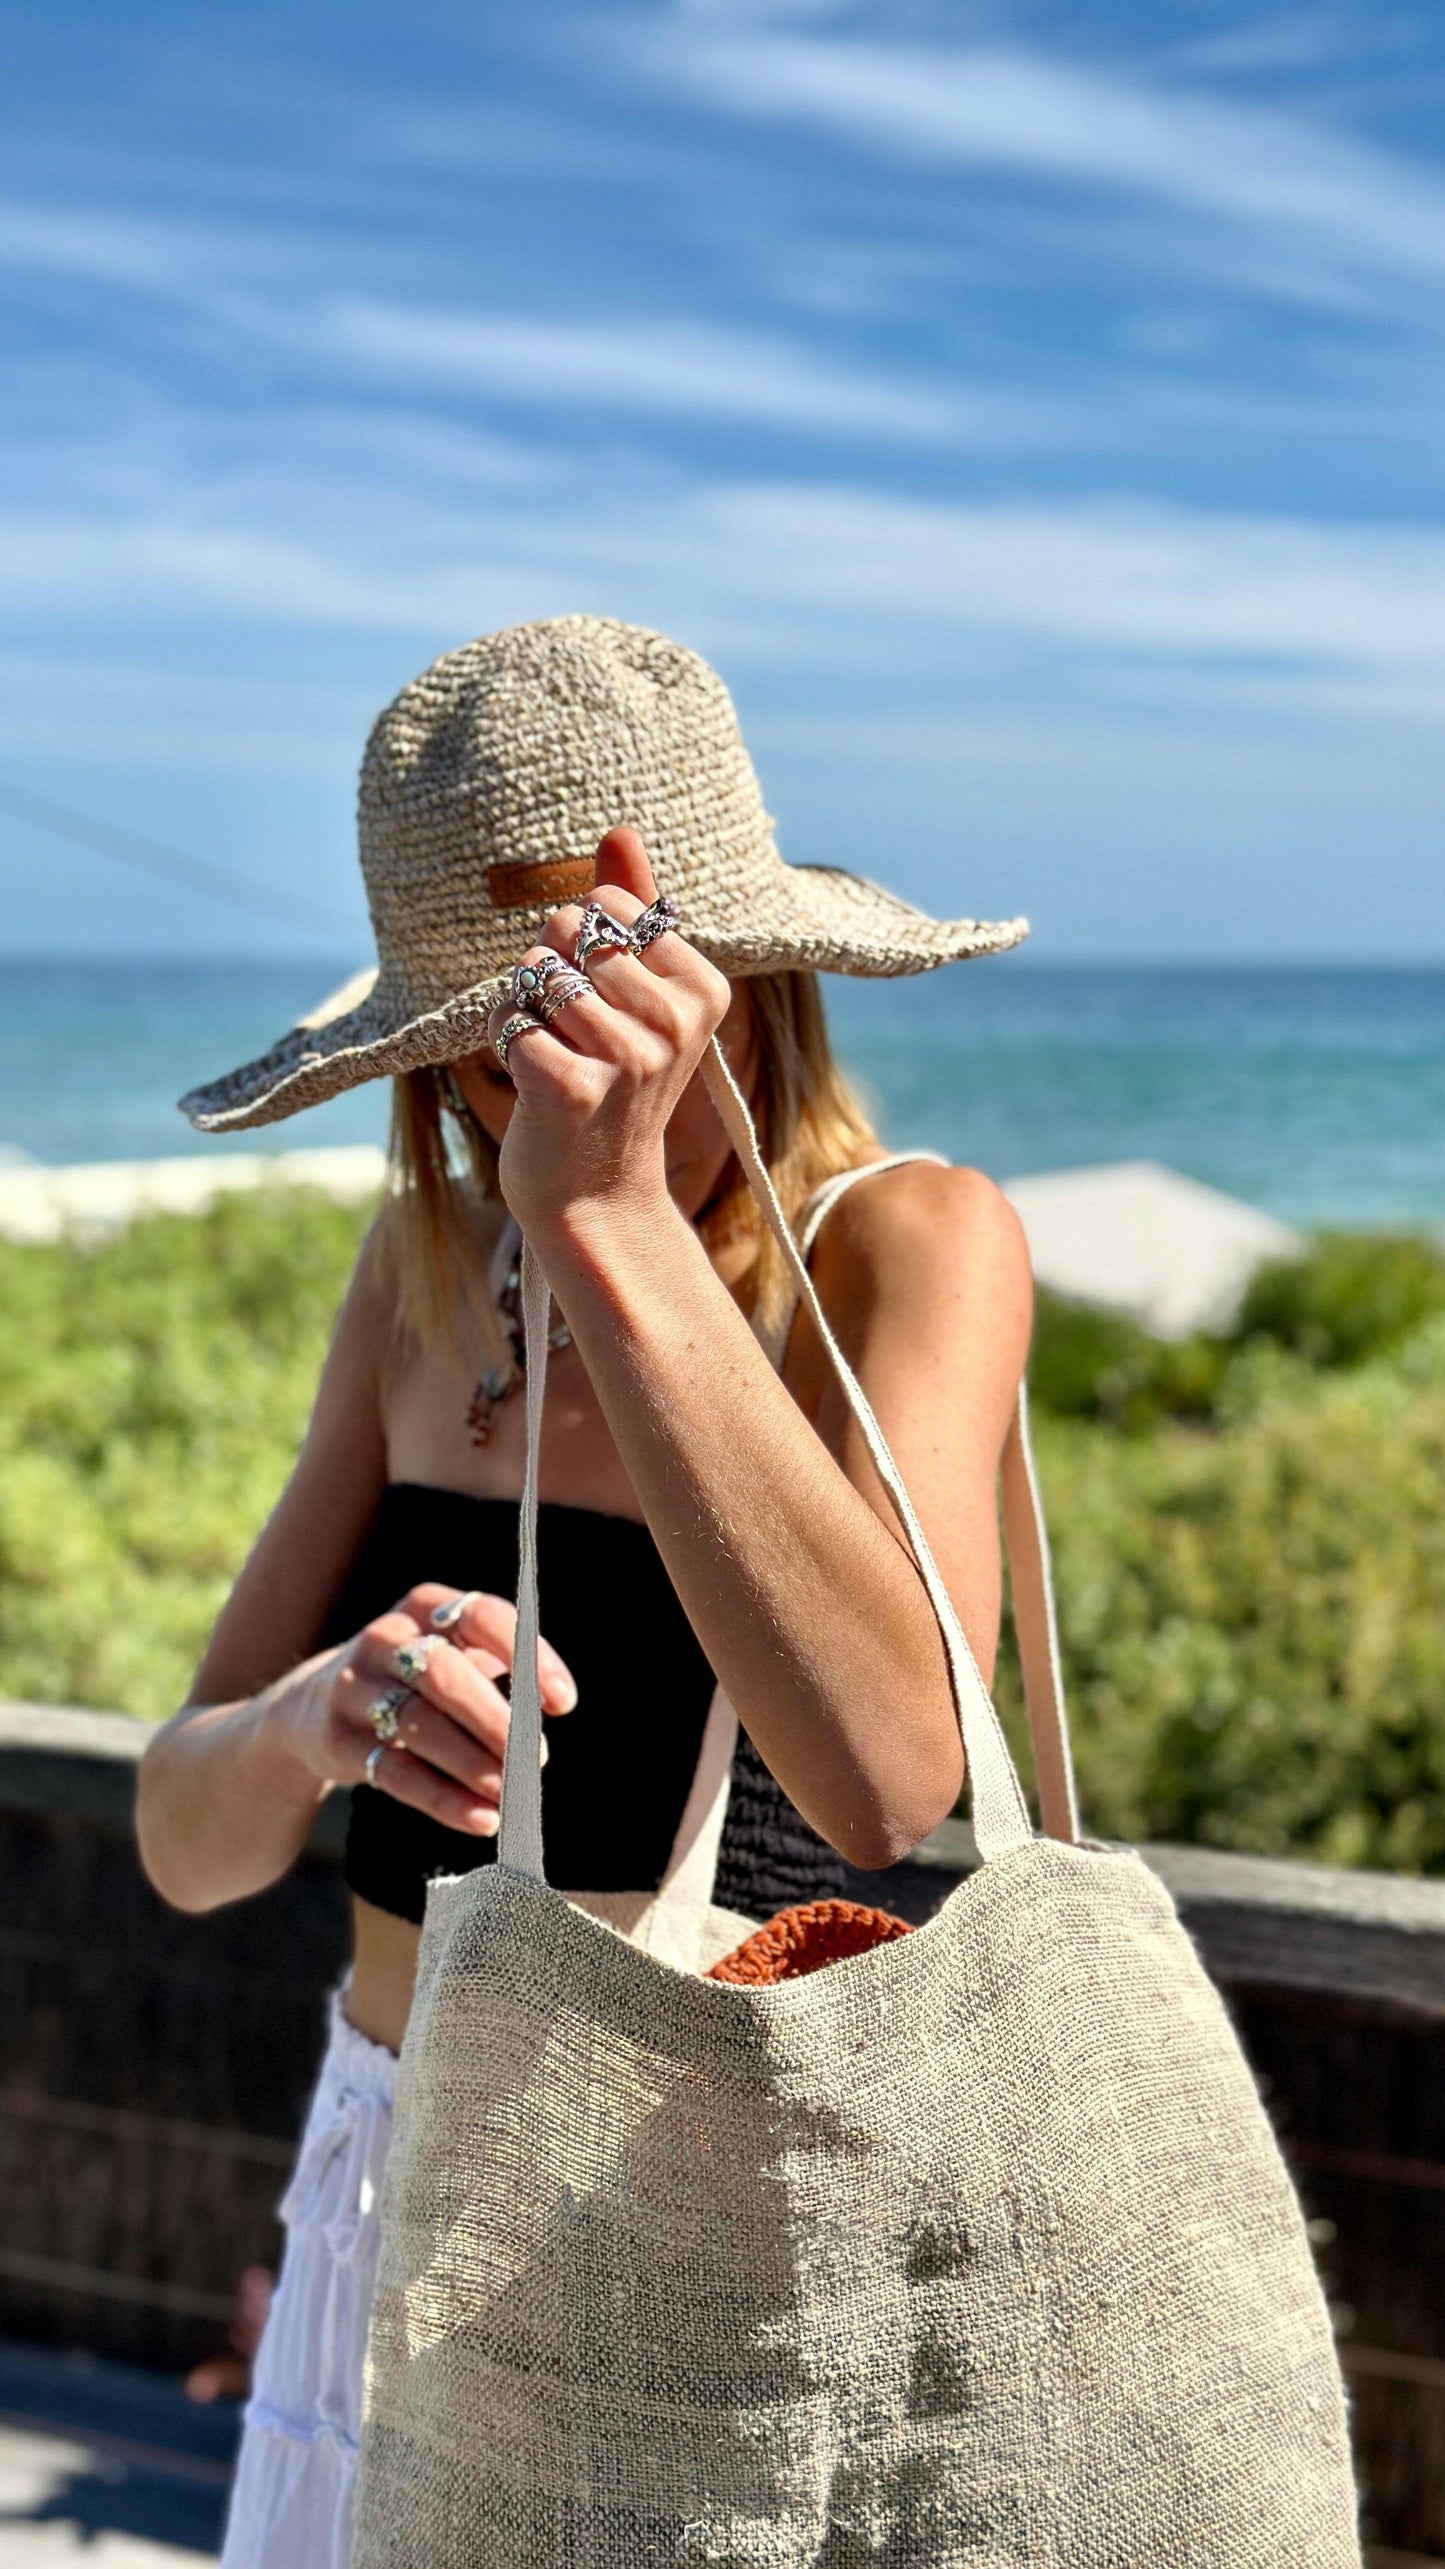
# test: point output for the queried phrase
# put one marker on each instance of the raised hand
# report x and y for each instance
(597, 1084)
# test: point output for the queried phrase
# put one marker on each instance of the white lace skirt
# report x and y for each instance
(291, 2504)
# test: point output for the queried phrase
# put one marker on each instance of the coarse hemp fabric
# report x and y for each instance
(974, 2251)
(485, 789)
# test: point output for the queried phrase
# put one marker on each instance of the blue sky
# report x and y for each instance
(1035, 412)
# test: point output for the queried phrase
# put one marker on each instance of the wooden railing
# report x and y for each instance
(154, 2069)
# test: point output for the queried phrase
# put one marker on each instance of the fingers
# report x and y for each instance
(485, 1627)
(660, 985)
(625, 889)
(410, 1779)
(566, 1004)
(510, 1024)
(434, 1741)
(622, 865)
(605, 963)
(373, 1705)
(633, 1027)
(593, 1012)
(449, 1723)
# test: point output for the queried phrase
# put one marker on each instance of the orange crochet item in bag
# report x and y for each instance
(804, 1939)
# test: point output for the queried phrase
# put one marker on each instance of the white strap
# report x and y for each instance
(1026, 1543)
(810, 1222)
(1036, 1628)
(686, 1888)
(674, 1922)
(519, 1831)
(823, 1198)
(1000, 1813)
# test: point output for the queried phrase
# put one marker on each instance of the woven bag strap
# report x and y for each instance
(1000, 1812)
(1026, 1543)
(519, 1829)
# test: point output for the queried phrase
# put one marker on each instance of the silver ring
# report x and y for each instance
(374, 1757)
(384, 1714)
(506, 1036)
(529, 980)
(563, 986)
(654, 921)
(600, 932)
(541, 988)
(445, 1618)
(410, 1659)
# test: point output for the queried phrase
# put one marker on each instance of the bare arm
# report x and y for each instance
(776, 1535)
(224, 1801)
(230, 1786)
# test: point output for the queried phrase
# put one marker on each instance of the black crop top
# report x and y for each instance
(621, 1764)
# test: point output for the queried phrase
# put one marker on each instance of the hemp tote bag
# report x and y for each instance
(973, 2251)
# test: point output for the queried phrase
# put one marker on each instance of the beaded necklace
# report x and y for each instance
(501, 1380)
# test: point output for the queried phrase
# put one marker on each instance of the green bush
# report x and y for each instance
(153, 1390)
(1252, 1620)
(1250, 1546)
(1355, 1296)
(1249, 1532)
(1351, 1297)
(1091, 1364)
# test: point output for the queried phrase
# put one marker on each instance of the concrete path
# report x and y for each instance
(106, 2464)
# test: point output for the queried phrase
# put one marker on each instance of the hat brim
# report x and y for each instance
(835, 922)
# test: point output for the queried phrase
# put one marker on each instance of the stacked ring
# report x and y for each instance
(507, 1034)
(547, 985)
(654, 921)
(384, 1714)
(374, 1757)
(562, 986)
(600, 932)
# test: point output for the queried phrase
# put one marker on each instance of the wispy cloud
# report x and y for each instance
(105, 246)
(656, 367)
(842, 575)
(1104, 130)
(1135, 579)
(264, 290)
(140, 712)
(1290, 41)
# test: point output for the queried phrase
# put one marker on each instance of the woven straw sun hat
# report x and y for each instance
(485, 789)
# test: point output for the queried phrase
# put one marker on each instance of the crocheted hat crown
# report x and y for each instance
(485, 788)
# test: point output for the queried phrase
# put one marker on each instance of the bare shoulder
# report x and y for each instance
(918, 1232)
(924, 1275)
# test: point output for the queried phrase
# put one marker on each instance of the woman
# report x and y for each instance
(708, 1509)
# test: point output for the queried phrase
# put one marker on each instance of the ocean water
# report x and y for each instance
(1319, 1095)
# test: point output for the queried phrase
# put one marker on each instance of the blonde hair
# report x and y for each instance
(809, 1125)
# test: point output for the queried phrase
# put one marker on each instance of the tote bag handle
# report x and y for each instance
(1026, 1544)
(1000, 1813)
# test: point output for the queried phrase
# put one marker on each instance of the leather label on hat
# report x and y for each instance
(548, 878)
